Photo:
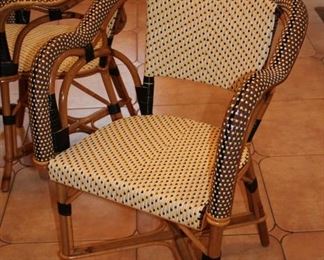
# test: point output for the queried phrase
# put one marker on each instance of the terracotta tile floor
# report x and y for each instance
(288, 157)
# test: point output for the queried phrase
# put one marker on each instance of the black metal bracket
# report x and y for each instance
(61, 140)
(114, 109)
(89, 52)
(145, 96)
(114, 71)
(9, 120)
(22, 16)
(55, 14)
(205, 257)
(64, 209)
(7, 67)
(251, 186)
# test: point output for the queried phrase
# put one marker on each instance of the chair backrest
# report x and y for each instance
(246, 102)
(214, 41)
(45, 124)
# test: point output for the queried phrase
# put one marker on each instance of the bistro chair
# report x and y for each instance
(180, 170)
(21, 39)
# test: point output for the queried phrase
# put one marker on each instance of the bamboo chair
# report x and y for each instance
(19, 45)
(177, 169)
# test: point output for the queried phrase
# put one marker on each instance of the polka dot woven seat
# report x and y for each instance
(159, 164)
(35, 40)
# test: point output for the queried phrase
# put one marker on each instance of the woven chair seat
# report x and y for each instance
(35, 39)
(158, 164)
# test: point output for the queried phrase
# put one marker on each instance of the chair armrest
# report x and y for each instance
(245, 105)
(8, 64)
(43, 116)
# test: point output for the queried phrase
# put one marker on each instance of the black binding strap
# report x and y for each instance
(205, 257)
(64, 209)
(145, 96)
(114, 71)
(114, 109)
(55, 14)
(103, 62)
(22, 16)
(61, 140)
(7, 67)
(89, 52)
(9, 120)
(4, 50)
(251, 186)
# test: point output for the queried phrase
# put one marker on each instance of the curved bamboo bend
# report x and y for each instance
(7, 6)
(38, 93)
(244, 104)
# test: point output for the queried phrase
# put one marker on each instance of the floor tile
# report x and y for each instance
(307, 49)
(131, 10)
(141, 18)
(108, 220)
(301, 85)
(125, 42)
(248, 247)
(29, 216)
(207, 113)
(154, 252)
(170, 91)
(141, 34)
(291, 128)
(296, 190)
(49, 251)
(3, 198)
(240, 205)
(30, 204)
(304, 246)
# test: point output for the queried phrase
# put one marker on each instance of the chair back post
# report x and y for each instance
(245, 104)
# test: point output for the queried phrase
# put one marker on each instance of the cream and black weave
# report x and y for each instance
(214, 42)
(39, 79)
(159, 164)
(132, 160)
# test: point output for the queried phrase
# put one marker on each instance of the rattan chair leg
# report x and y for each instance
(23, 85)
(65, 221)
(9, 136)
(180, 243)
(255, 205)
(215, 242)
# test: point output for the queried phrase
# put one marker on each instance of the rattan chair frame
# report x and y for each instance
(293, 16)
(17, 111)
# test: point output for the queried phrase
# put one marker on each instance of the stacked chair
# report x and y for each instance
(21, 39)
(180, 170)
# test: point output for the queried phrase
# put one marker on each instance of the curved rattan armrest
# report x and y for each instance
(244, 105)
(9, 6)
(54, 9)
(43, 122)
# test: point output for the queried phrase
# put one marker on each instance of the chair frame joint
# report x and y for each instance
(64, 209)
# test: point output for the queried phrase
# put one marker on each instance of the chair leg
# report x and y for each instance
(9, 136)
(214, 243)
(23, 85)
(256, 206)
(65, 221)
